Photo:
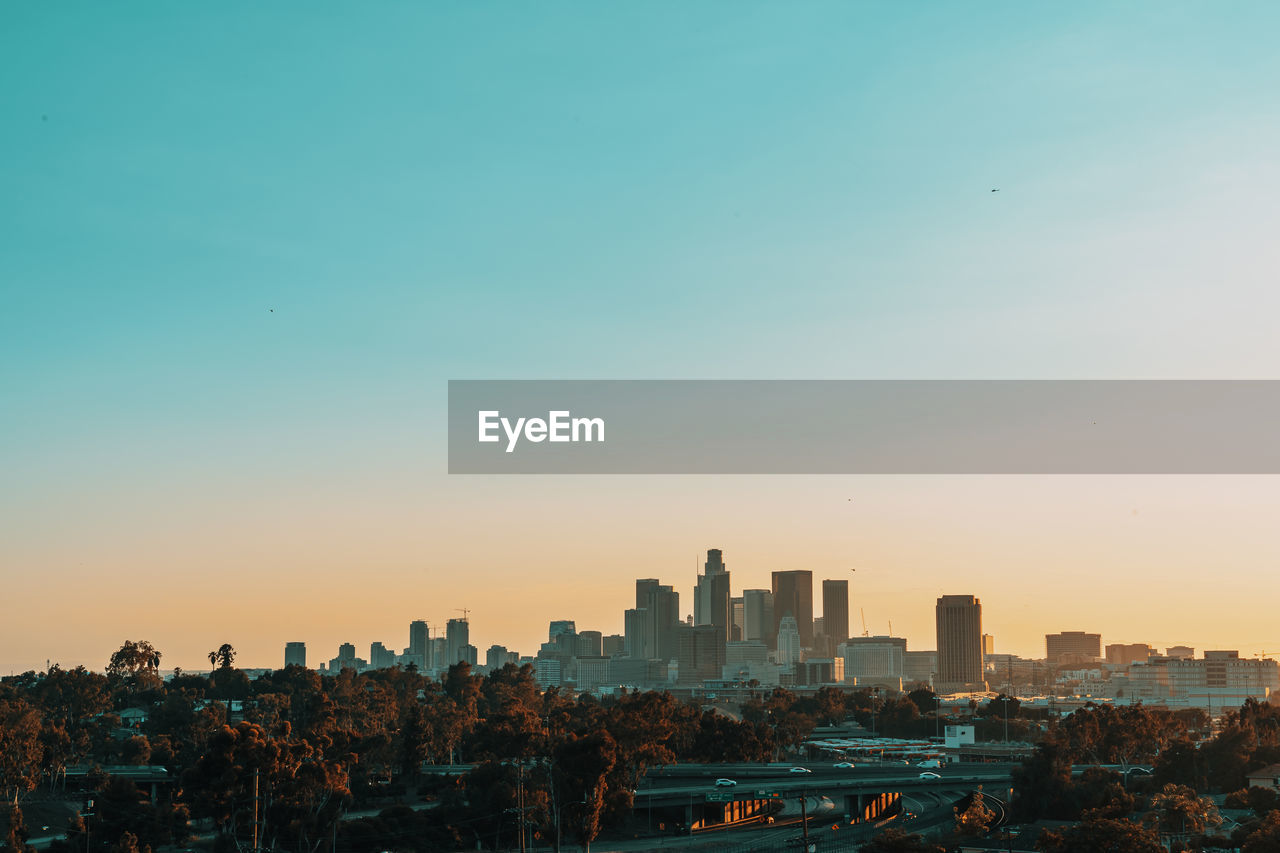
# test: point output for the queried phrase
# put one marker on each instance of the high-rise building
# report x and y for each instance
(1073, 647)
(295, 654)
(635, 627)
(590, 644)
(496, 657)
(661, 604)
(561, 626)
(457, 633)
(736, 611)
(757, 616)
(613, 645)
(793, 596)
(419, 635)
(988, 645)
(381, 657)
(789, 642)
(701, 653)
(711, 595)
(835, 611)
(959, 623)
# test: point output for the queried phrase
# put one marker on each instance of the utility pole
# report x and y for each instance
(804, 819)
(520, 799)
(256, 848)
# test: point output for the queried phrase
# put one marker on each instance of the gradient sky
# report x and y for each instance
(244, 248)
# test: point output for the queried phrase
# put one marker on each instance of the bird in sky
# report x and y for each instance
(996, 190)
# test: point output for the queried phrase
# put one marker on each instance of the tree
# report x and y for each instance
(976, 818)
(1108, 835)
(1178, 810)
(132, 658)
(20, 749)
(222, 657)
(898, 841)
(135, 665)
(1266, 838)
(14, 829)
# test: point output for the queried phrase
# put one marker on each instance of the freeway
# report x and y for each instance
(675, 781)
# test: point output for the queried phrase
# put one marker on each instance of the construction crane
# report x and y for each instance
(865, 632)
(464, 611)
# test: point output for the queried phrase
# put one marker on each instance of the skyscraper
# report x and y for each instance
(418, 636)
(793, 596)
(959, 621)
(711, 595)
(457, 633)
(835, 611)
(701, 653)
(788, 642)
(561, 626)
(661, 604)
(295, 654)
(757, 616)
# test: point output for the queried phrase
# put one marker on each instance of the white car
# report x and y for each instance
(799, 770)
(843, 765)
(928, 775)
(725, 783)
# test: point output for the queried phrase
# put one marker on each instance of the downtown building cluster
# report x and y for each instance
(771, 637)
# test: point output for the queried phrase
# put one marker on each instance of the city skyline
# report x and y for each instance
(417, 630)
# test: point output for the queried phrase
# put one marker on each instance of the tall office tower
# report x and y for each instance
(381, 657)
(295, 654)
(789, 643)
(418, 637)
(347, 651)
(736, 632)
(635, 628)
(757, 616)
(590, 644)
(988, 644)
(613, 645)
(561, 626)
(711, 595)
(701, 653)
(496, 657)
(1072, 647)
(835, 611)
(793, 596)
(959, 619)
(439, 657)
(457, 634)
(661, 604)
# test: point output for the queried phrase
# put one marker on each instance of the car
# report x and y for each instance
(929, 775)
(843, 765)
(799, 770)
(725, 783)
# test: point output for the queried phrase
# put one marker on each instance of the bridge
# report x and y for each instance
(687, 794)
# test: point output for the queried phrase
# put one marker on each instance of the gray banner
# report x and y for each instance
(863, 427)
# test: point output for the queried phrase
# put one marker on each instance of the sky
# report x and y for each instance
(245, 248)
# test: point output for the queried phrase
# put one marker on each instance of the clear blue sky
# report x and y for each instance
(245, 246)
